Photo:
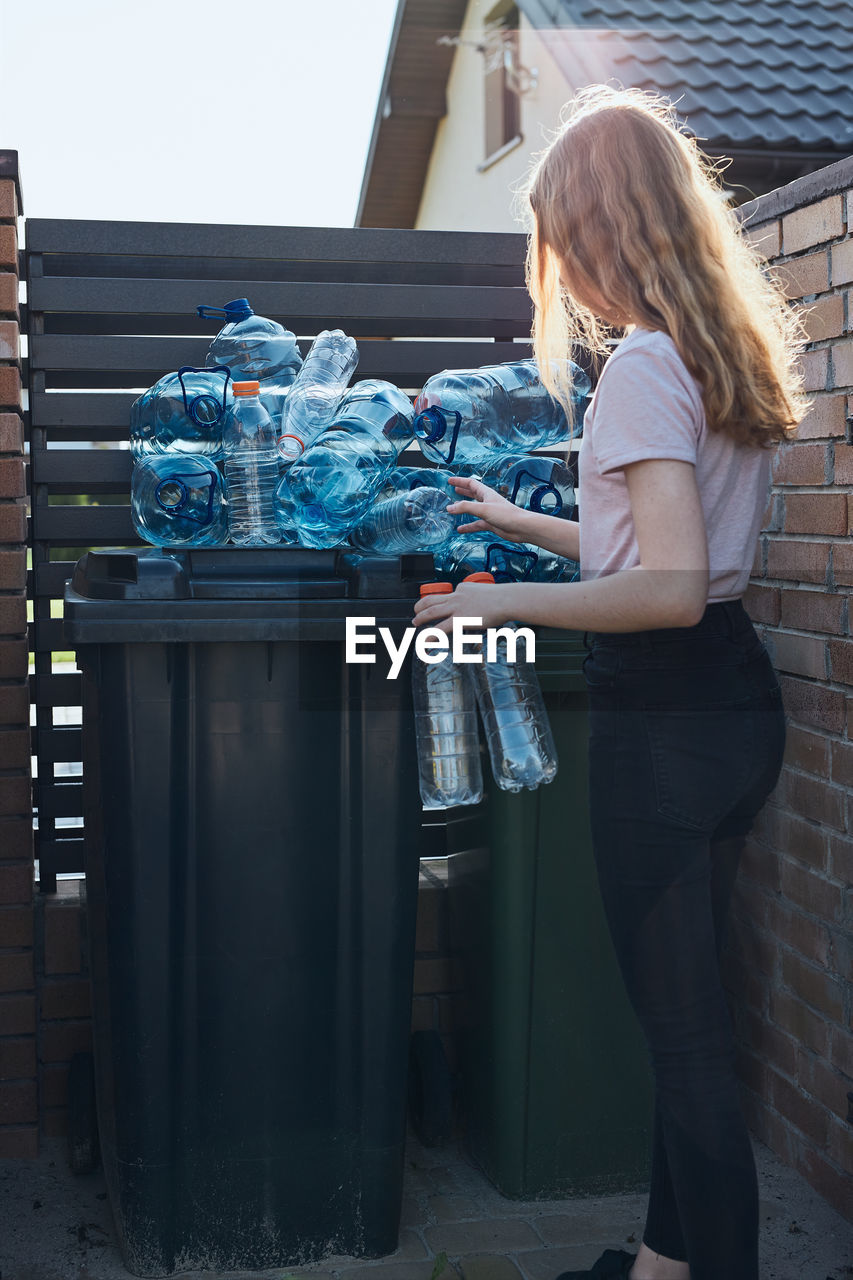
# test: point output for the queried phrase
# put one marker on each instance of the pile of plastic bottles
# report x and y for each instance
(259, 448)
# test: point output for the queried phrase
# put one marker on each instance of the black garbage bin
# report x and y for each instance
(251, 816)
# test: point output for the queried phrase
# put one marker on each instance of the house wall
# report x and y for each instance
(456, 196)
(789, 964)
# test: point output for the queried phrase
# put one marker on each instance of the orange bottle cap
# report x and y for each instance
(479, 577)
(436, 588)
(245, 388)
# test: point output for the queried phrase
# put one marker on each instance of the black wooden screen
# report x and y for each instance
(111, 307)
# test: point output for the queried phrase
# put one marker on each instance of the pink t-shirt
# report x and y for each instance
(647, 405)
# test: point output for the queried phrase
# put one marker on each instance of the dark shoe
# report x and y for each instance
(614, 1264)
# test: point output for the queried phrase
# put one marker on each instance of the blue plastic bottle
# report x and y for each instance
(251, 469)
(177, 500)
(417, 520)
(533, 481)
(404, 479)
(255, 349)
(472, 415)
(183, 411)
(317, 391)
(484, 552)
(331, 485)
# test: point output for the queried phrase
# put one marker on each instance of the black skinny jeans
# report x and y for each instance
(687, 734)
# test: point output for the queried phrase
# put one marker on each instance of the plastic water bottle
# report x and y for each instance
(255, 349)
(414, 521)
(332, 484)
(251, 469)
(176, 500)
(472, 415)
(183, 411)
(283, 511)
(529, 480)
(317, 391)
(446, 735)
(518, 732)
(404, 479)
(484, 552)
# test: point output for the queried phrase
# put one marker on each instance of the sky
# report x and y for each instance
(257, 112)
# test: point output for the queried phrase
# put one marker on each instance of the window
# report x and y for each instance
(503, 107)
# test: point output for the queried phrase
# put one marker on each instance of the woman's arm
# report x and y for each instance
(498, 515)
(668, 588)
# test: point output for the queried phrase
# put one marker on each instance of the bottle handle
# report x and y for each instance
(192, 409)
(539, 493)
(496, 550)
(216, 313)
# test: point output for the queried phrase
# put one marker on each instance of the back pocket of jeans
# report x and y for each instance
(702, 762)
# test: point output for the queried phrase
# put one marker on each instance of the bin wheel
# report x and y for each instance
(430, 1089)
(82, 1114)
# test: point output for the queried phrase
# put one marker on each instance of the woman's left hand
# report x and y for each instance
(486, 600)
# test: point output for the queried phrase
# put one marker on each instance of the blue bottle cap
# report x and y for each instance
(239, 309)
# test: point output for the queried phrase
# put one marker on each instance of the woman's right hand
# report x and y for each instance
(490, 509)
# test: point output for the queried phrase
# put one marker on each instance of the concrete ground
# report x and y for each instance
(455, 1226)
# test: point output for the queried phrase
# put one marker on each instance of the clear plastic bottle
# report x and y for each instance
(473, 415)
(518, 732)
(484, 552)
(255, 348)
(417, 520)
(446, 734)
(317, 391)
(332, 484)
(176, 500)
(533, 481)
(404, 479)
(183, 411)
(251, 469)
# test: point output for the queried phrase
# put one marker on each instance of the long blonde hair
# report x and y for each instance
(625, 198)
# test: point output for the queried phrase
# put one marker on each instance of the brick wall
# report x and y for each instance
(789, 959)
(18, 1091)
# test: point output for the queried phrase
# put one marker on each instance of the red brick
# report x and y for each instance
(767, 1040)
(17, 1015)
(10, 340)
(812, 610)
(11, 433)
(824, 319)
(805, 1114)
(811, 704)
(809, 938)
(827, 418)
(807, 751)
(769, 1128)
(824, 513)
(810, 891)
(841, 1051)
(18, 1059)
(762, 603)
(815, 986)
(8, 200)
(802, 277)
(841, 660)
(798, 561)
(14, 704)
(16, 926)
(16, 841)
(9, 248)
(67, 998)
(61, 1040)
(766, 239)
(842, 763)
(841, 858)
(813, 798)
(14, 749)
(843, 468)
(831, 1183)
(842, 363)
(13, 570)
(814, 366)
(16, 971)
(788, 833)
(14, 658)
(10, 384)
(812, 225)
(839, 1143)
(12, 478)
(799, 464)
(798, 1020)
(13, 522)
(842, 262)
(15, 797)
(13, 616)
(821, 1082)
(8, 293)
(16, 884)
(19, 1144)
(62, 938)
(801, 655)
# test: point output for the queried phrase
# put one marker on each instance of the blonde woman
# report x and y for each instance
(687, 729)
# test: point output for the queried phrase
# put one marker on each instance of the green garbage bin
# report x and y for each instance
(556, 1090)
